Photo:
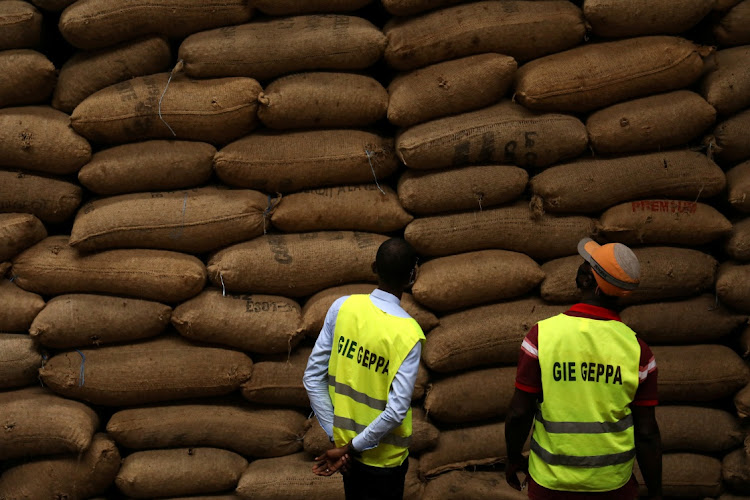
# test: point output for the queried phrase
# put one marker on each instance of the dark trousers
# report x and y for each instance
(364, 482)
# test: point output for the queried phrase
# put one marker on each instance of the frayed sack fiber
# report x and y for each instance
(727, 86)
(19, 307)
(278, 381)
(50, 200)
(613, 19)
(20, 25)
(20, 360)
(18, 232)
(28, 77)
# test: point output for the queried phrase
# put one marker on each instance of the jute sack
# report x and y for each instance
(316, 307)
(724, 5)
(734, 27)
(37, 422)
(290, 7)
(459, 448)
(76, 320)
(294, 161)
(322, 100)
(738, 186)
(39, 138)
(413, 484)
(745, 342)
(93, 24)
(650, 124)
(52, 5)
(410, 7)
(181, 471)
(735, 470)
(278, 381)
(4, 268)
(315, 442)
(687, 475)
(148, 166)
(163, 369)
(20, 25)
(502, 133)
(249, 431)
(522, 30)
(270, 48)
(256, 323)
(19, 360)
(727, 86)
(612, 19)
(51, 200)
(363, 207)
(670, 222)
(18, 232)
(738, 244)
(597, 75)
(692, 321)
(464, 188)
(559, 284)
(216, 111)
(19, 307)
(423, 379)
(742, 403)
(598, 184)
(696, 429)
(88, 72)
(484, 335)
(26, 77)
(288, 478)
(508, 228)
(470, 279)
(195, 221)
(68, 476)
(728, 143)
(484, 394)
(733, 285)
(295, 265)
(52, 267)
(478, 485)
(699, 373)
(449, 88)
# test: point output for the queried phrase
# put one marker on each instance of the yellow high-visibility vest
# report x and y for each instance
(583, 431)
(369, 346)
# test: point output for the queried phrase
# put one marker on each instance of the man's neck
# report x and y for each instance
(398, 292)
(605, 302)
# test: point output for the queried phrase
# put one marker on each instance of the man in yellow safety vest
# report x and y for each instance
(587, 384)
(360, 378)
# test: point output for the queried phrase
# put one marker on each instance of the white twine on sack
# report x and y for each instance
(223, 288)
(369, 159)
(171, 74)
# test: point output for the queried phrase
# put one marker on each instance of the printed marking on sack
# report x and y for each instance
(665, 206)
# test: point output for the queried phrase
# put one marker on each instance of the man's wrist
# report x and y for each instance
(351, 450)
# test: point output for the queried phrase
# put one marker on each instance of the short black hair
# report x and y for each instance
(395, 261)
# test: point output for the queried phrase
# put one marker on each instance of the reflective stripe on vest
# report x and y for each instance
(583, 430)
(369, 346)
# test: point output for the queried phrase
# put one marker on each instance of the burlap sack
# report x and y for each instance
(322, 100)
(256, 323)
(252, 432)
(37, 422)
(288, 478)
(742, 403)
(597, 75)
(559, 284)
(182, 471)
(148, 166)
(19, 307)
(413, 484)
(687, 475)
(735, 470)
(449, 88)
(459, 448)
(28, 77)
(18, 232)
(290, 7)
(51, 200)
(502, 133)
(733, 285)
(39, 138)
(294, 161)
(52, 267)
(477, 485)
(727, 86)
(509, 228)
(693, 321)
(295, 265)
(363, 207)
(69, 321)
(69, 476)
(609, 18)
(483, 394)
(464, 188)
(745, 342)
(728, 143)
(201, 497)
(88, 72)
(278, 381)
(474, 278)
(522, 30)
(4, 268)
(484, 335)
(423, 379)
(699, 373)
(195, 221)
(92, 24)
(734, 27)
(650, 124)
(216, 111)
(162, 369)
(52, 5)
(268, 49)
(738, 187)
(593, 184)
(19, 360)
(668, 222)
(724, 5)
(315, 441)
(738, 244)
(698, 430)
(20, 25)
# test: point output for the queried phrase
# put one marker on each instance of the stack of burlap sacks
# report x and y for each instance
(244, 174)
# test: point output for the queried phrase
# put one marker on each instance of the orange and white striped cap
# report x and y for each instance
(616, 268)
